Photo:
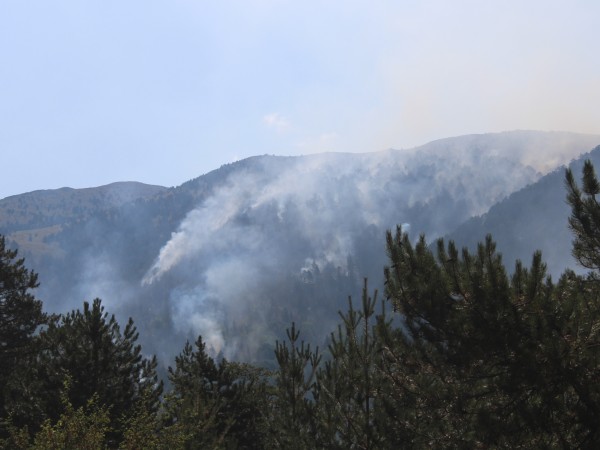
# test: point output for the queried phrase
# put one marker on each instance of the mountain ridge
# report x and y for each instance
(238, 253)
(530, 219)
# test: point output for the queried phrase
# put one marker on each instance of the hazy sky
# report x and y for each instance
(163, 91)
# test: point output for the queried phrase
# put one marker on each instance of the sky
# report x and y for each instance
(98, 91)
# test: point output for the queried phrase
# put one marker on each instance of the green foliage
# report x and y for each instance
(487, 360)
(83, 428)
(88, 347)
(213, 405)
(20, 312)
(16, 438)
(145, 431)
(141, 431)
(465, 367)
(585, 217)
(334, 403)
(76, 429)
(349, 384)
(20, 317)
(294, 381)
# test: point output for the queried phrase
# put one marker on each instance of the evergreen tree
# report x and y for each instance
(88, 347)
(293, 413)
(487, 360)
(20, 317)
(467, 366)
(214, 405)
(585, 217)
(84, 428)
(346, 392)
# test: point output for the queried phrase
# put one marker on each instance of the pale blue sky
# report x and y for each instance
(163, 91)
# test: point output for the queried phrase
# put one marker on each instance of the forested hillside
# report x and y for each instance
(455, 354)
(533, 218)
(32, 219)
(240, 252)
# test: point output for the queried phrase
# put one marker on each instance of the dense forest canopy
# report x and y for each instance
(457, 353)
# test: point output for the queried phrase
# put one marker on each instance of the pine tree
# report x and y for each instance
(89, 348)
(84, 428)
(214, 405)
(487, 360)
(292, 408)
(77, 429)
(20, 317)
(347, 388)
(585, 217)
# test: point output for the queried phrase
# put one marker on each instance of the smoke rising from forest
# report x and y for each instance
(240, 253)
(274, 221)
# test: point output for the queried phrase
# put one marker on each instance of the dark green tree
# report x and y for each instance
(293, 412)
(585, 217)
(484, 359)
(466, 366)
(81, 429)
(84, 428)
(216, 405)
(21, 316)
(348, 384)
(89, 348)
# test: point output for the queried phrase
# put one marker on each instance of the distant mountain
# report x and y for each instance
(239, 253)
(56, 206)
(533, 218)
(29, 219)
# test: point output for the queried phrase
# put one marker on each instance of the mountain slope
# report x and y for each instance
(52, 207)
(239, 253)
(29, 220)
(534, 218)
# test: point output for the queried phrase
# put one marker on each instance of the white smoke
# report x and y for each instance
(235, 243)
(198, 228)
(218, 224)
(192, 310)
(280, 216)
